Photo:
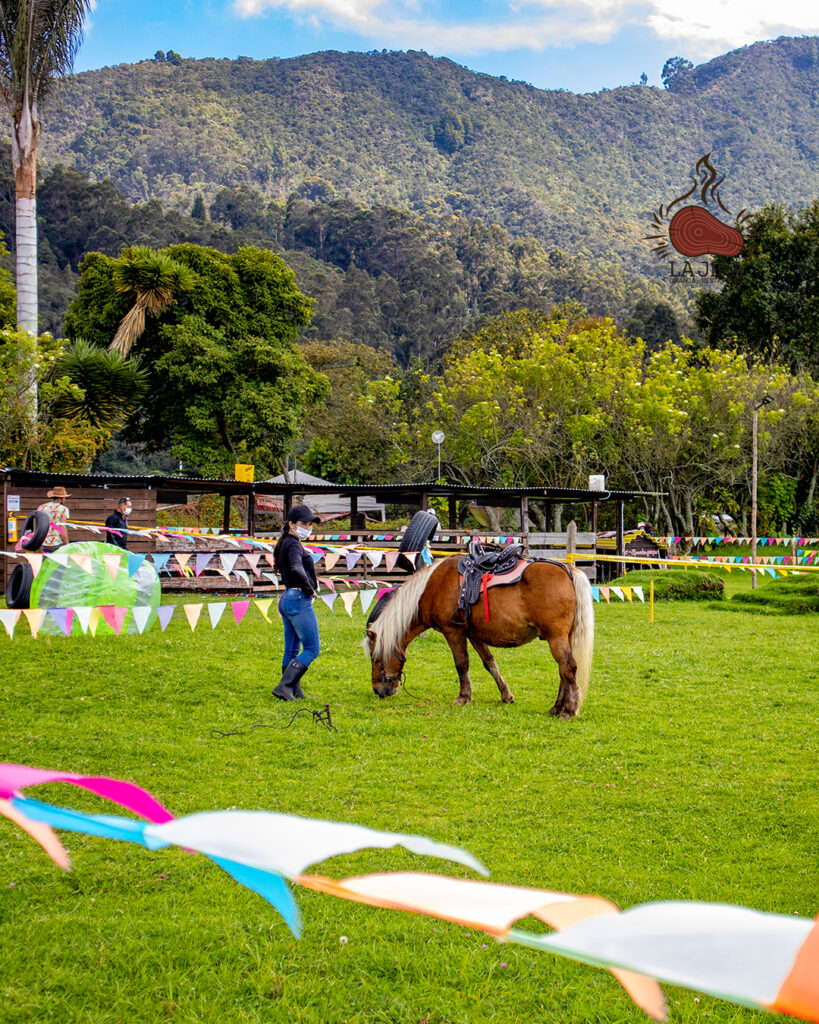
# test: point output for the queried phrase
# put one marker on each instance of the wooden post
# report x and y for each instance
(524, 523)
(571, 542)
(356, 518)
(424, 500)
(621, 543)
(453, 512)
(251, 514)
(226, 515)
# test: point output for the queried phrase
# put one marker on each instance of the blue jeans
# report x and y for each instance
(301, 633)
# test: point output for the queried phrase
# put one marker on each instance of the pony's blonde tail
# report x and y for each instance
(583, 630)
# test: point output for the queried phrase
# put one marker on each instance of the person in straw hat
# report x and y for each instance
(58, 514)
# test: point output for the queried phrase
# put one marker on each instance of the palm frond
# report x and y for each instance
(111, 386)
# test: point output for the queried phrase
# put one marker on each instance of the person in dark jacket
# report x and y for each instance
(118, 520)
(298, 574)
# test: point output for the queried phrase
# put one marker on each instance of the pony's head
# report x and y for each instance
(387, 667)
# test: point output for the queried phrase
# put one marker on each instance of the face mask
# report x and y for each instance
(303, 532)
(128, 510)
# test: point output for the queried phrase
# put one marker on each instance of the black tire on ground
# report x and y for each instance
(37, 524)
(18, 588)
(422, 527)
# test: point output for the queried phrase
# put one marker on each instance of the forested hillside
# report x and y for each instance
(579, 172)
(378, 276)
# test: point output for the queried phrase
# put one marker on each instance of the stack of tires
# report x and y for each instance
(422, 528)
(18, 588)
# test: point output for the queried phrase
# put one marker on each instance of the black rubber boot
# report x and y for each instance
(290, 687)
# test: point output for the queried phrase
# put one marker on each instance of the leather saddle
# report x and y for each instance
(480, 569)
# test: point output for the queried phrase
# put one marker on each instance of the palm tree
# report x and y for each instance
(107, 387)
(154, 280)
(38, 42)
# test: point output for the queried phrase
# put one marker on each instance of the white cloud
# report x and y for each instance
(706, 27)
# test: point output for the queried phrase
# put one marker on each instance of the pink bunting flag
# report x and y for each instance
(606, 594)
(115, 617)
(202, 560)
(239, 610)
(382, 591)
(270, 559)
(35, 618)
(192, 613)
(390, 558)
(165, 613)
(83, 561)
(253, 562)
(112, 565)
(330, 583)
(35, 561)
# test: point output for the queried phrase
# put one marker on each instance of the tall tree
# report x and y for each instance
(38, 42)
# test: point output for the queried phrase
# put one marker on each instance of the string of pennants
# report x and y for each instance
(761, 541)
(144, 616)
(623, 593)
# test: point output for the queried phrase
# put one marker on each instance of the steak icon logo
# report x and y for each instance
(694, 230)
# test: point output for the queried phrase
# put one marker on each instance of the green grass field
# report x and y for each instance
(691, 774)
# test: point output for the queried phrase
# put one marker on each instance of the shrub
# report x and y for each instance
(677, 584)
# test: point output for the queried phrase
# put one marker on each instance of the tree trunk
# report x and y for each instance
(557, 520)
(24, 162)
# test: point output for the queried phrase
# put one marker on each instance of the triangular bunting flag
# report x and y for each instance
(270, 559)
(617, 591)
(83, 561)
(264, 606)
(243, 576)
(596, 594)
(134, 563)
(329, 599)
(35, 561)
(605, 592)
(10, 617)
(182, 558)
(330, 559)
(202, 560)
(412, 556)
(165, 612)
(112, 565)
(239, 610)
(60, 557)
(271, 576)
(115, 617)
(94, 621)
(627, 592)
(35, 618)
(348, 601)
(353, 558)
(330, 583)
(160, 560)
(215, 610)
(141, 613)
(367, 598)
(638, 591)
(228, 561)
(390, 558)
(382, 591)
(253, 562)
(63, 617)
(376, 558)
(192, 613)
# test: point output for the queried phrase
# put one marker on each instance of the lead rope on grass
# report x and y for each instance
(322, 716)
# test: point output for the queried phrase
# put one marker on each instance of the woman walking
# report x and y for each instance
(298, 574)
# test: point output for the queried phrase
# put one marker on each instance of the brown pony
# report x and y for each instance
(551, 602)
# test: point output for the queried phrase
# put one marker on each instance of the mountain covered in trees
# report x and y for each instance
(578, 172)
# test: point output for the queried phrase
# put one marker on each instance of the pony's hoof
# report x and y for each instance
(507, 698)
(554, 710)
(461, 701)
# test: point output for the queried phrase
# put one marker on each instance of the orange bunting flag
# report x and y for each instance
(112, 565)
(348, 601)
(192, 613)
(330, 559)
(83, 561)
(35, 561)
(35, 618)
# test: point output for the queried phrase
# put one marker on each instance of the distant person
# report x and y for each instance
(118, 520)
(58, 514)
(297, 572)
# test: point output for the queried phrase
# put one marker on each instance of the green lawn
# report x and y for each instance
(691, 774)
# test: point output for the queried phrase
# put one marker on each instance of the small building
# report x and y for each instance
(326, 506)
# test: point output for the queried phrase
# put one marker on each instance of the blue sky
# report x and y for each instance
(581, 46)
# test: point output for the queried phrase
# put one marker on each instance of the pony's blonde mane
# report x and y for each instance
(394, 622)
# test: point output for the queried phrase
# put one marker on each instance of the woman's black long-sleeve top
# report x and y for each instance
(295, 565)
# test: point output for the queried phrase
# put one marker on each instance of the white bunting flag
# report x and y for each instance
(10, 617)
(141, 614)
(367, 598)
(215, 610)
(243, 576)
(390, 558)
(618, 593)
(229, 561)
(60, 557)
(638, 591)
(376, 558)
(83, 617)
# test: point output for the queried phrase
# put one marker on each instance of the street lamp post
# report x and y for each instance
(766, 400)
(438, 436)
